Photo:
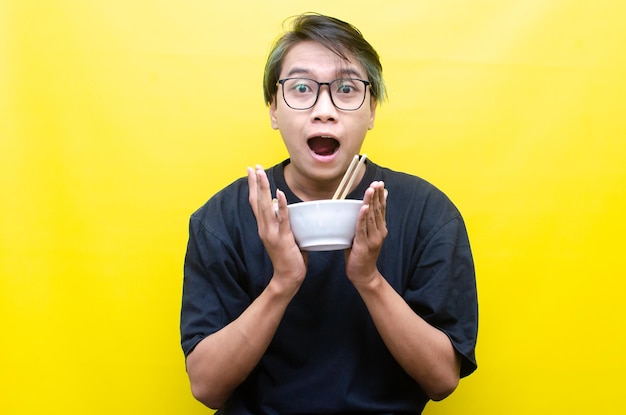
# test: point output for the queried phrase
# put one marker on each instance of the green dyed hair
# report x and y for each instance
(338, 36)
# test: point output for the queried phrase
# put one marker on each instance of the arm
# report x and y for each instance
(424, 351)
(221, 361)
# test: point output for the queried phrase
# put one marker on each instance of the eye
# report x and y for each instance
(346, 87)
(301, 86)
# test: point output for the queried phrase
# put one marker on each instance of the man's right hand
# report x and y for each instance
(275, 231)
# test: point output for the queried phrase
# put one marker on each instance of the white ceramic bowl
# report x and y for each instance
(324, 225)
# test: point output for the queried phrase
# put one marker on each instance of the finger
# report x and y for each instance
(377, 207)
(373, 212)
(252, 190)
(275, 206)
(282, 213)
(382, 202)
(361, 222)
(381, 193)
(264, 197)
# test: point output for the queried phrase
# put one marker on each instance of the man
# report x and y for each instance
(379, 328)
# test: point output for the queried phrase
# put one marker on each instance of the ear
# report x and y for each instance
(373, 103)
(273, 118)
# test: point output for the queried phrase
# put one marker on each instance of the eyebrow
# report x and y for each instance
(342, 72)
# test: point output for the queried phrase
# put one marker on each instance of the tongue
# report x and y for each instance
(323, 146)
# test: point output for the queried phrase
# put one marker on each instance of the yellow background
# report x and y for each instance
(119, 118)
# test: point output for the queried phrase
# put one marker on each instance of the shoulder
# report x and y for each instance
(226, 202)
(229, 206)
(409, 192)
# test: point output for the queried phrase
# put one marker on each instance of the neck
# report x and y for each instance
(308, 189)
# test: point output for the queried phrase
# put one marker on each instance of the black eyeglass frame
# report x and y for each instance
(330, 94)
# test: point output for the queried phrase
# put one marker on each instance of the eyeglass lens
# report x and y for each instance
(345, 93)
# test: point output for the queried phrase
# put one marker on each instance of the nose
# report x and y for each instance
(324, 109)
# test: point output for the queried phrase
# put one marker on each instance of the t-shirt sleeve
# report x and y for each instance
(443, 288)
(212, 294)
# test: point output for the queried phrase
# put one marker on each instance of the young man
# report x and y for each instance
(379, 328)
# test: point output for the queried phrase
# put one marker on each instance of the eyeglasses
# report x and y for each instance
(346, 94)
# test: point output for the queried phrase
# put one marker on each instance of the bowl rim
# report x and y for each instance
(326, 201)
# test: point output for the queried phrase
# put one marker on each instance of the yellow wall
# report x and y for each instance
(119, 118)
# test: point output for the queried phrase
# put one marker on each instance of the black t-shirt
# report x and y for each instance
(327, 356)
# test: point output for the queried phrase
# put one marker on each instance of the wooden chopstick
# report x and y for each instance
(355, 174)
(349, 177)
(346, 176)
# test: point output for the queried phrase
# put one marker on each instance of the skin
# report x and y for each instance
(223, 360)
(311, 176)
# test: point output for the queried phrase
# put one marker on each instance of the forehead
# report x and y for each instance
(311, 59)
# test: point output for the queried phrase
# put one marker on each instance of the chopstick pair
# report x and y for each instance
(350, 176)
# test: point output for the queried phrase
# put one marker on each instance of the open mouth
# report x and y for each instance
(323, 146)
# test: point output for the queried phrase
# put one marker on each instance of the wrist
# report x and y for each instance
(370, 284)
(282, 289)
